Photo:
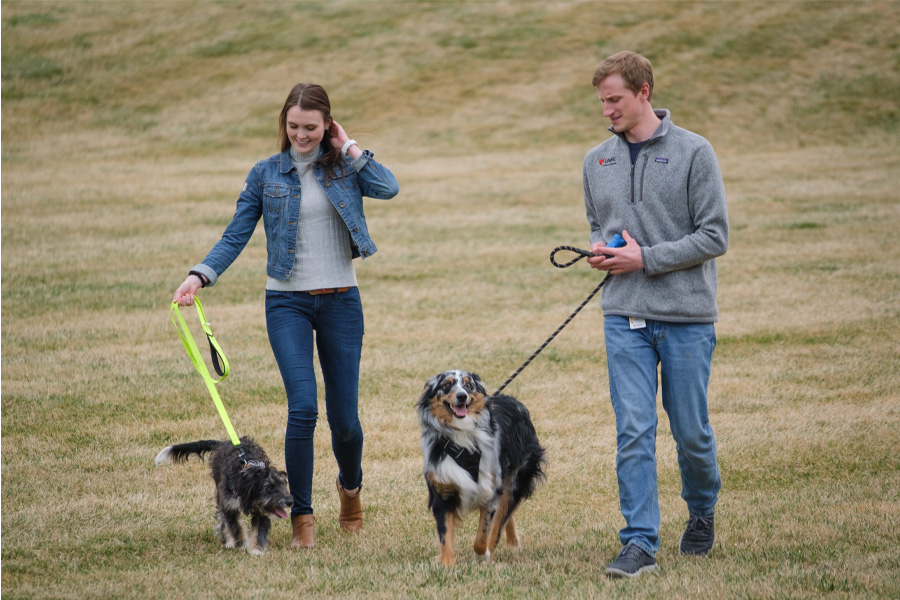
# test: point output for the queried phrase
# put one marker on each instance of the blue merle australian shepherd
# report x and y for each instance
(480, 452)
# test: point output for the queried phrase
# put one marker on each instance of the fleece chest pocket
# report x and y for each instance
(277, 196)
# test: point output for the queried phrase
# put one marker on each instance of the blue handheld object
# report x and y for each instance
(615, 242)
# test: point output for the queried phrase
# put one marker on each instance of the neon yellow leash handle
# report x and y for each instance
(193, 353)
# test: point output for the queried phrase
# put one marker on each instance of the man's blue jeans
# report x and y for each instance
(336, 320)
(683, 352)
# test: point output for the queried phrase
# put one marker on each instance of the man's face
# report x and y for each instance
(621, 106)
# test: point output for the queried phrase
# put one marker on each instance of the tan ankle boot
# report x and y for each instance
(351, 509)
(304, 527)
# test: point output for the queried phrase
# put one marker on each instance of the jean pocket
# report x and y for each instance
(278, 297)
(276, 196)
(347, 181)
(350, 297)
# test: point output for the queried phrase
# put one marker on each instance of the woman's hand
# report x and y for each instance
(185, 293)
(339, 137)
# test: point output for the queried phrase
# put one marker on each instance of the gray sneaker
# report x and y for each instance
(698, 536)
(631, 562)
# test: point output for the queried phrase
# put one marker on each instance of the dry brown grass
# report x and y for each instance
(128, 128)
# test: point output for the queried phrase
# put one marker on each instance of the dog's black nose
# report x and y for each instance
(461, 397)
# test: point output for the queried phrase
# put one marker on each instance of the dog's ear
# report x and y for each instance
(479, 385)
(280, 476)
(432, 384)
(249, 484)
(431, 388)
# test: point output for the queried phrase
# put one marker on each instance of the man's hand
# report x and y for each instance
(626, 259)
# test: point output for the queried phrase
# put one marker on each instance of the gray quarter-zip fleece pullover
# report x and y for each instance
(672, 202)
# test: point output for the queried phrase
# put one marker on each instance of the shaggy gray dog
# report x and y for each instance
(246, 483)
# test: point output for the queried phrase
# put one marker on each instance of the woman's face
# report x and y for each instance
(305, 128)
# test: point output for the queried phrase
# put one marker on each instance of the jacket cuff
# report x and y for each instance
(363, 159)
(207, 272)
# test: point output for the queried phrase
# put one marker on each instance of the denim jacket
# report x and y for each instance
(272, 191)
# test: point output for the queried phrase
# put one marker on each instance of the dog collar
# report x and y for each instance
(466, 459)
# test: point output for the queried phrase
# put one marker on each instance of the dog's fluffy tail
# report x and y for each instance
(181, 452)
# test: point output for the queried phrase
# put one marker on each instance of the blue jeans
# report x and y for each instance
(337, 320)
(683, 352)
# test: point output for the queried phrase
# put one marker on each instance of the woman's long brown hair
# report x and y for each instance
(310, 96)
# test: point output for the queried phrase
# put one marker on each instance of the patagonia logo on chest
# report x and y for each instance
(662, 160)
(607, 162)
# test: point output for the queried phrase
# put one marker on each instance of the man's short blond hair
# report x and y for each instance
(634, 69)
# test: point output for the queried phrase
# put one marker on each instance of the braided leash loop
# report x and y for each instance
(581, 254)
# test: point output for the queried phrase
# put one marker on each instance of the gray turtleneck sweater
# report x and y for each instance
(324, 258)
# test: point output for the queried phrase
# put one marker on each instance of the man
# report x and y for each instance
(660, 187)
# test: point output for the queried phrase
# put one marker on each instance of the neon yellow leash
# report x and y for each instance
(193, 353)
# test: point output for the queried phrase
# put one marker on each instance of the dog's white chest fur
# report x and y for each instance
(472, 493)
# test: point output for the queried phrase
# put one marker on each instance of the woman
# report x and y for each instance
(310, 199)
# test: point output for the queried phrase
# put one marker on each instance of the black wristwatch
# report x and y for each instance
(204, 281)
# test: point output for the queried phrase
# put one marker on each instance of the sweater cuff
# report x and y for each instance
(646, 270)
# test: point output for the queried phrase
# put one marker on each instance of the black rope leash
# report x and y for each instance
(581, 254)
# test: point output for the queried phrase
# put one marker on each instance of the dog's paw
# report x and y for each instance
(233, 543)
(256, 551)
(483, 558)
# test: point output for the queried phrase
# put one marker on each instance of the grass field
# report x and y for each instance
(128, 129)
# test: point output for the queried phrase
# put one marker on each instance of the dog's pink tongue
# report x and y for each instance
(280, 513)
(460, 410)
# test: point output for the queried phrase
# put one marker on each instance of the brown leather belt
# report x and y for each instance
(326, 291)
